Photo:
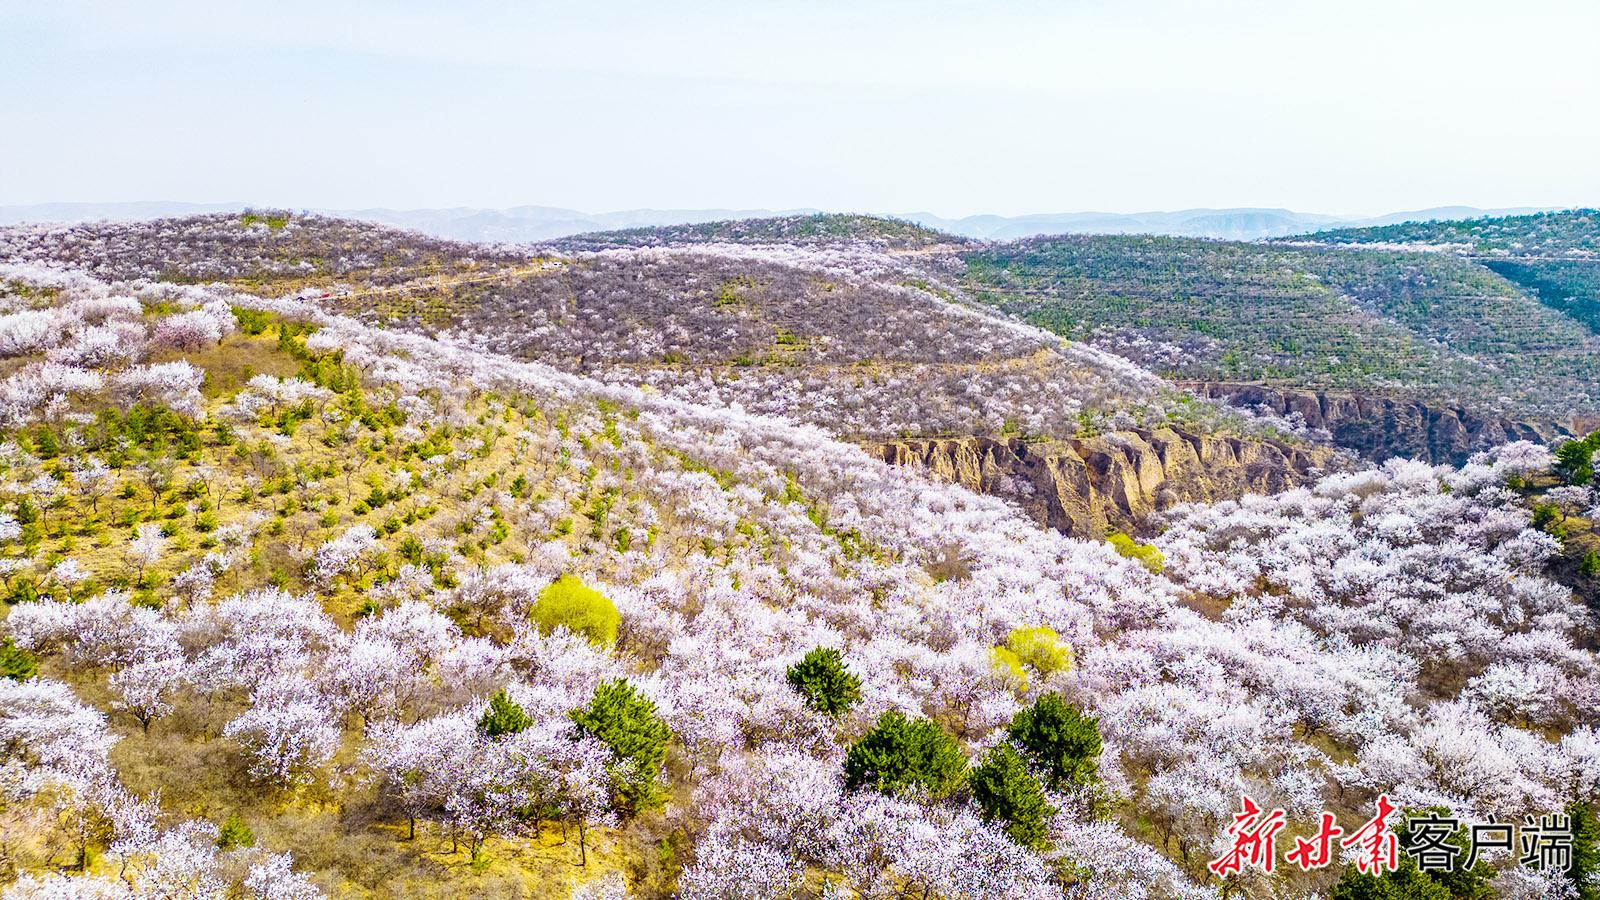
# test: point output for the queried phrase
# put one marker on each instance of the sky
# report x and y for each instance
(954, 107)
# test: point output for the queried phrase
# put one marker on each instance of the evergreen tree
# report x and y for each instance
(1585, 868)
(824, 682)
(1405, 883)
(1575, 459)
(899, 753)
(1004, 789)
(1409, 882)
(627, 722)
(45, 445)
(1060, 740)
(504, 716)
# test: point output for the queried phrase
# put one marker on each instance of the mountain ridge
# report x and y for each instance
(529, 222)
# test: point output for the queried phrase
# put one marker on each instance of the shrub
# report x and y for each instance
(581, 609)
(1145, 554)
(1005, 790)
(235, 833)
(1059, 739)
(1547, 517)
(16, 663)
(627, 722)
(1041, 649)
(1591, 564)
(899, 754)
(504, 716)
(824, 682)
(1009, 664)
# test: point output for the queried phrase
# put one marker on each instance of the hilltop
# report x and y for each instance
(519, 224)
(1572, 233)
(259, 248)
(807, 230)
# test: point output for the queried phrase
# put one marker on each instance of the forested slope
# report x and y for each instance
(435, 621)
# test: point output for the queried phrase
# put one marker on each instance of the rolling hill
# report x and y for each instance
(1555, 257)
(1375, 321)
(310, 592)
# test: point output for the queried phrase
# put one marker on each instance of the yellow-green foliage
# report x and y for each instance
(1144, 553)
(1010, 665)
(582, 609)
(1030, 651)
(1041, 649)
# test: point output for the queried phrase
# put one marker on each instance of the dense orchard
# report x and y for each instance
(422, 616)
(864, 344)
(260, 248)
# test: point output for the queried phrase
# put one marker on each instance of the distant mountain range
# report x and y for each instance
(539, 223)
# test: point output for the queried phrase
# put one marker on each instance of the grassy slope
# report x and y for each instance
(1552, 256)
(1303, 316)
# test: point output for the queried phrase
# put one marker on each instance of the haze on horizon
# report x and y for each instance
(953, 107)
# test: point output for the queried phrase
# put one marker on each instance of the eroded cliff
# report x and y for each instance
(1083, 487)
(1382, 427)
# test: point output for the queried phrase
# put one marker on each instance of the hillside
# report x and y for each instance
(435, 622)
(261, 249)
(1574, 233)
(1555, 257)
(821, 228)
(869, 342)
(1381, 322)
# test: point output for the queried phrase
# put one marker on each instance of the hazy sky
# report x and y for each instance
(1012, 106)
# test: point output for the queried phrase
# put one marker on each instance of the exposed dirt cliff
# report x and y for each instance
(1382, 427)
(1082, 487)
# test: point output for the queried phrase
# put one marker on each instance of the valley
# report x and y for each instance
(809, 557)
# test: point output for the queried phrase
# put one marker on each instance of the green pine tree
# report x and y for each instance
(1585, 865)
(628, 723)
(1060, 740)
(16, 663)
(824, 682)
(503, 717)
(1005, 790)
(235, 833)
(900, 753)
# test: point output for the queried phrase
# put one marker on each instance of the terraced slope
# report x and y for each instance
(1554, 257)
(1565, 233)
(1373, 321)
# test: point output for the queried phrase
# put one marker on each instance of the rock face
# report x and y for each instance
(1082, 487)
(1382, 427)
